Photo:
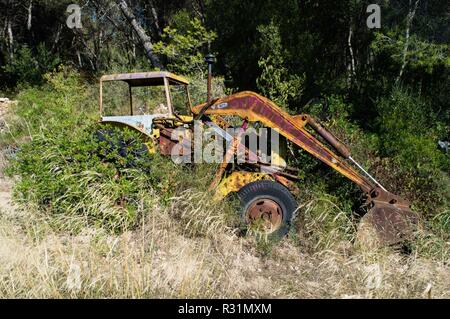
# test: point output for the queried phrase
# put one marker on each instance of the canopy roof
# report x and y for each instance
(145, 78)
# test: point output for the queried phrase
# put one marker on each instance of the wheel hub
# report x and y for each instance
(266, 214)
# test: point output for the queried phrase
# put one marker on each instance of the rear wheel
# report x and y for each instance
(267, 208)
(129, 151)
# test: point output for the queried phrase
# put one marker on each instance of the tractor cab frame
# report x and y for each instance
(143, 122)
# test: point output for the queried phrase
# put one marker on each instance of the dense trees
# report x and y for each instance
(327, 41)
(291, 50)
(392, 82)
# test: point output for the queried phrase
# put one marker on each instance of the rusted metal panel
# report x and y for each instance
(267, 214)
(289, 184)
(142, 123)
(254, 107)
(228, 155)
(167, 142)
(145, 78)
(327, 136)
(236, 180)
(389, 216)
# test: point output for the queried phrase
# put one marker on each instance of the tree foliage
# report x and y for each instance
(185, 49)
(387, 88)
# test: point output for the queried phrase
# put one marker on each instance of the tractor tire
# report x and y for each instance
(267, 204)
(116, 142)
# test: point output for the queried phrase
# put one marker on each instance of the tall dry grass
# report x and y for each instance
(188, 249)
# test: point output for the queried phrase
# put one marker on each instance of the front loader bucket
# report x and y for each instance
(389, 220)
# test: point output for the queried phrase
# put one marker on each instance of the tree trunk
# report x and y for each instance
(30, 8)
(10, 40)
(90, 53)
(200, 11)
(133, 47)
(57, 36)
(79, 59)
(352, 57)
(142, 35)
(155, 18)
(410, 17)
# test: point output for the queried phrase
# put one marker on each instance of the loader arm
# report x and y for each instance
(254, 107)
(389, 217)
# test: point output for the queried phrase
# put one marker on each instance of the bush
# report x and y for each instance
(63, 100)
(28, 66)
(68, 175)
(64, 169)
(408, 132)
(413, 163)
(276, 82)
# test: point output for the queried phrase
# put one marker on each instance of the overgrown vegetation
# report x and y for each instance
(79, 173)
(115, 221)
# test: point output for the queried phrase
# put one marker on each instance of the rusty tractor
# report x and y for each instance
(266, 191)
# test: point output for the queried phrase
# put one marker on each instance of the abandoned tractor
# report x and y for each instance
(266, 189)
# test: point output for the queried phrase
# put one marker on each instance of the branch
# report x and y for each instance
(410, 17)
(155, 18)
(143, 37)
(10, 40)
(30, 8)
(350, 48)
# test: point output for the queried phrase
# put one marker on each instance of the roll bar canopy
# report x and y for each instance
(144, 79)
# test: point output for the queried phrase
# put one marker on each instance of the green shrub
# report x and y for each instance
(28, 66)
(413, 163)
(76, 178)
(276, 82)
(65, 171)
(408, 131)
(64, 100)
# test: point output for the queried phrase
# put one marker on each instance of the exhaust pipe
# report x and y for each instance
(210, 59)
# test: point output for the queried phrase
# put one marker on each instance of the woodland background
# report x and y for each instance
(108, 230)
